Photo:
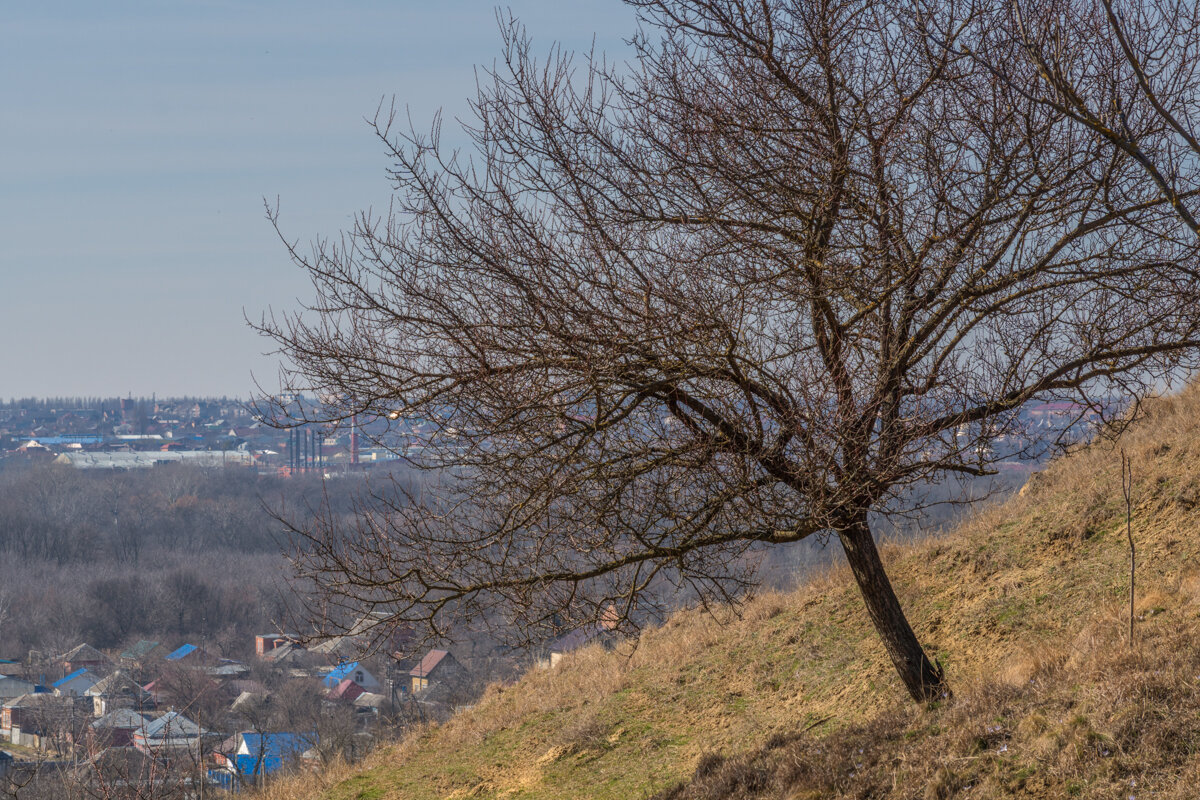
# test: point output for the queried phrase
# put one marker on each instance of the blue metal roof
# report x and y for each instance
(70, 438)
(181, 652)
(70, 677)
(270, 751)
(340, 673)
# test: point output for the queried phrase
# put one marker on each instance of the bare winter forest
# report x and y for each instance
(115, 557)
(110, 558)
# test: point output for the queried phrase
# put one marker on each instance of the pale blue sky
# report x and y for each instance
(138, 139)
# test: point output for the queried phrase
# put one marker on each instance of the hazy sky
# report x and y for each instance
(138, 140)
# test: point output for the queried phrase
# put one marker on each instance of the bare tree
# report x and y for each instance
(5, 607)
(300, 707)
(194, 693)
(792, 259)
(126, 773)
(1126, 71)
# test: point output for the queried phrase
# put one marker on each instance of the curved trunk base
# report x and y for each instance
(924, 680)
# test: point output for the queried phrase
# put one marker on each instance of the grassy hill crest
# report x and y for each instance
(795, 699)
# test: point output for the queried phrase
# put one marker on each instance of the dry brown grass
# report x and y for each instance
(1025, 603)
(306, 784)
(1118, 722)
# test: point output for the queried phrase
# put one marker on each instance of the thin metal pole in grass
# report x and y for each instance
(1127, 491)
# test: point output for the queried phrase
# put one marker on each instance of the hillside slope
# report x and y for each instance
(795, 699)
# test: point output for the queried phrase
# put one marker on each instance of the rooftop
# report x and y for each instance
(182, 652)
(428, 664)
(340, 673)
(171, 725)
(68, 678)
(125, 718)
(117, 683)
(85, 653)
(140, 649)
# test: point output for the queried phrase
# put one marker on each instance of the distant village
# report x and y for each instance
(188, 710)
(129, 433)
(157, 712)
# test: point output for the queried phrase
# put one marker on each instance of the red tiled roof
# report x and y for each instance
(428, 663)
(346, 690)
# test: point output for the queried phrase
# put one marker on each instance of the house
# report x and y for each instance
(602, 630)
(372, 628)
(10, 713)
(117, 691)
(156, 692)
(116, 728)
(347, 690)
(34, 448)
(437, 666)
(370, 703)
(226, 751)
(85, 656)
(400, 664)
(247, 700)
(15, 687)
(139, 652)
(35, 715)
(191, 655)
(303, 673)
(356, 672)
(75, 684)
(227, 669)
(266, 642)
(337, 647)
(265, 753)
(170, 732)
(286, 653)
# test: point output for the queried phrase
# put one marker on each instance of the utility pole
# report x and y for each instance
(200, 747)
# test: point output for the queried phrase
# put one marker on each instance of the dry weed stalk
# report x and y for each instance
(1127, 493)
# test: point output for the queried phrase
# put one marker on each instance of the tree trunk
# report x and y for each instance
(924, 680)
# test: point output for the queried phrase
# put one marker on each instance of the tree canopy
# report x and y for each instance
(790, 259)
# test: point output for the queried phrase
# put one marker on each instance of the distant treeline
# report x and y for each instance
(58, 514)
(177, 553)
